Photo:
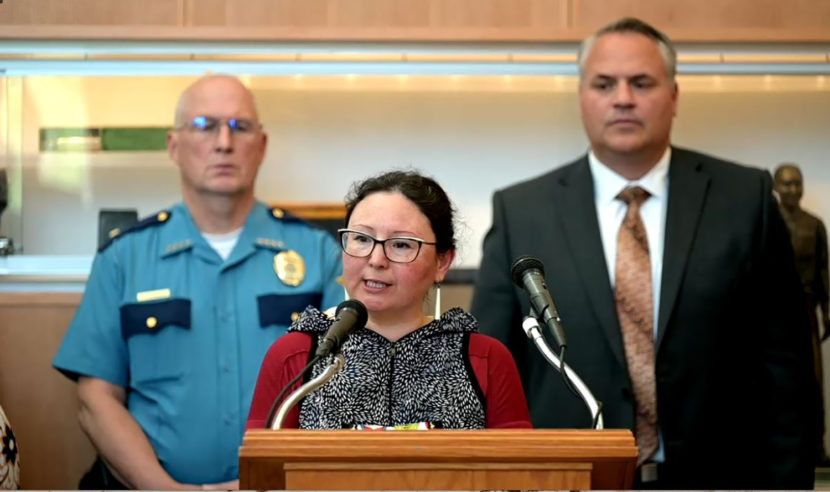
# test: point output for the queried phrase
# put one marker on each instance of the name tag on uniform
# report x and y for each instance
(152, 295)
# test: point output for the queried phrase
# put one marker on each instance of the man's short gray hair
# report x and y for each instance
(633, 25)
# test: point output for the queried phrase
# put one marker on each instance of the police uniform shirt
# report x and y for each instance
(185, 332)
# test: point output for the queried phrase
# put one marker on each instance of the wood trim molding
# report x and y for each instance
(40, 298)
(380, 34)
(409, 20)
(314, 210)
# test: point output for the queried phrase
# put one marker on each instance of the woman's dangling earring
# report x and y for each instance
(437, 300)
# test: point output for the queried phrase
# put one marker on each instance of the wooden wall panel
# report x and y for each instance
(40, 402)
(410, 20)
(288, 13)
(554, 14)
(500, 13)
(484, 13)
(382, 19)
(91, 12)
(438, 14)
(205, 13)
(257, 13)
(710, 19)
(380, 13)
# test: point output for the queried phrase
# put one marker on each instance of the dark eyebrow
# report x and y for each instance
(642, 76)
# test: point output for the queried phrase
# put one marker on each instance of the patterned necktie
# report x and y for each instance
(635, 309)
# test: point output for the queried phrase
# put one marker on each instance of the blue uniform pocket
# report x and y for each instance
(152, 317)
(279, 309)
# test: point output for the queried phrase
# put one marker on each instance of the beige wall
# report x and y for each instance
(474, 134)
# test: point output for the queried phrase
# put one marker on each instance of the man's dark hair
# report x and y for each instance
(423, 191)
(786, 165)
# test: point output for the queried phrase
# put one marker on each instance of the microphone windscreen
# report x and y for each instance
(522, 265)
(359, 310)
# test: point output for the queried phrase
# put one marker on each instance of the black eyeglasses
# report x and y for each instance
(210, 126)
(396, 249)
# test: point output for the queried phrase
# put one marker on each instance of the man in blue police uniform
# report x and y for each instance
(179, 309)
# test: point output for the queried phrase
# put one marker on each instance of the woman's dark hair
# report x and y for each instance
(424, 192)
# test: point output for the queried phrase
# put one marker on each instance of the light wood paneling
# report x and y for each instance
(483, 13)
(69, 300)
(410, 20)
(553, 14)
(380, 13)
(711, 14)
(314, 210)
(91, 12)
(713, 19)
(40, 402)
(258, 13)
(205, 13)
(500, 13)
(385, 14)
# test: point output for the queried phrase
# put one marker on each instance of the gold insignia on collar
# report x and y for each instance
(271, 243)
(114, 232)
(290, 267)
(278, 213)
(178, 245)
(162, 216)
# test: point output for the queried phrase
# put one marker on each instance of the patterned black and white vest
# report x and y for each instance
(425, 376)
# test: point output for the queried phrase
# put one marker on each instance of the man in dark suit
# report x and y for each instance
(725, 388)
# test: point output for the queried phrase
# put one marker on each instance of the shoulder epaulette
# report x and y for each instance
(283, 215)
(155, 219)
(324, 225)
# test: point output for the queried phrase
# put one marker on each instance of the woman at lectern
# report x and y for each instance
(404, 369)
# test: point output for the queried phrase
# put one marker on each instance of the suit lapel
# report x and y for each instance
(574, 195)
(688, 184)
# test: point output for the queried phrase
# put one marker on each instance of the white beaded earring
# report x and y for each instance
(437, 300)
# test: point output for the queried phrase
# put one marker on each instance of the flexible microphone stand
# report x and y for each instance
(336, 366)
(530, 325)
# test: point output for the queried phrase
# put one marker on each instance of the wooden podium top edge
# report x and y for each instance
(541, 444)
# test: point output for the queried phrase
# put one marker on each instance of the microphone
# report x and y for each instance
(350, 315)
(529, 274)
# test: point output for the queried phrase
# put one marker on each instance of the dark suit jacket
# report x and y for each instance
(735, 389)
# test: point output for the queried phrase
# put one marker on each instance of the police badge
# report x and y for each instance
(289, 267)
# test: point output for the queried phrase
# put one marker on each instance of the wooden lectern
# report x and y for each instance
(437, 459)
